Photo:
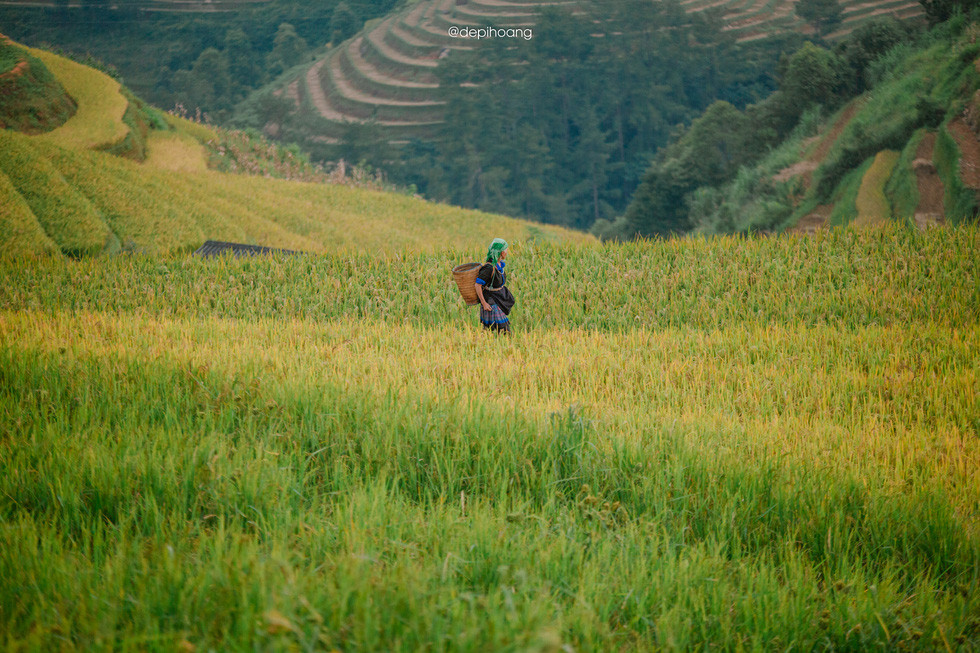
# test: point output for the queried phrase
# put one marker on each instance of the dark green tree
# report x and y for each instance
(939, 11)
(344, 23)
(207, 84)
(288, 50)
(242, 62)
(591, 153)
(709, 153)
(59, 12)
(823, 15)
(863, 46)
(531, 171)
(273, 111)
(95, 12)
(812, 77)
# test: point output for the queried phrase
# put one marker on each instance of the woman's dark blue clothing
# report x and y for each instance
(496, 294)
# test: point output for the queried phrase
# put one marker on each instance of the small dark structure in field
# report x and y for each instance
(213, 248)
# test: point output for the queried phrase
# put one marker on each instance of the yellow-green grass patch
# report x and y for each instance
(98, 123)
(157, 211)
(845, 195)
(841, 277)
(892, 406)
(20, 232)
(201, 133)
(136, 208)
(872, 205)
(66, 215)
(175, 151)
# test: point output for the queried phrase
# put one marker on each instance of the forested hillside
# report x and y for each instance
(206, 56)
(559, 126)
(883, 126)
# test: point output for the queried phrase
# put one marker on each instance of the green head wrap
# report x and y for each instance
(498, 245)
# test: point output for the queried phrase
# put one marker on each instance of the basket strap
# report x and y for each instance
(493, 275)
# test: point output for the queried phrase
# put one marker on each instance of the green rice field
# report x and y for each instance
(725, 444)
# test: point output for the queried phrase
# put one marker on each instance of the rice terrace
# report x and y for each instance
(756, 433)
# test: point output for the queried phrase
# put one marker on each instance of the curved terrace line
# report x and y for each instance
(373, 73)
(344, 87)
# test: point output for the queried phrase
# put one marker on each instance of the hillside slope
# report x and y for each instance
(385, 75)
(61, 188)
(31, 99)
(905, 148)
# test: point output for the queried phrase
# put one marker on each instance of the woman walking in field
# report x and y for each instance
(495, 299)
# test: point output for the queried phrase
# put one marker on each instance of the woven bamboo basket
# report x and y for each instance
(465, 277)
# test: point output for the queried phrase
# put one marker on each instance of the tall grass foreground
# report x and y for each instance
(688, 444)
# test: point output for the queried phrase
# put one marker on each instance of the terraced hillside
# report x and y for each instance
(65, 192)
(386, 73)
(755, 19)
(209, 6)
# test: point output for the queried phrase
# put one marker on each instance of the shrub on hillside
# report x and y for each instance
(812, 77)
(938, 11)
(860, 51)
(708, 154)
(140, 118)
(66, 215)
(31, 99)
(824, 15)
(961, 203)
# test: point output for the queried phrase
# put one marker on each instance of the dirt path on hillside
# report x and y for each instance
(805, 169)
(930, 210)
(823, 149)
(807, 166)
(969, 146)
(376, 37)
(19, 69)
